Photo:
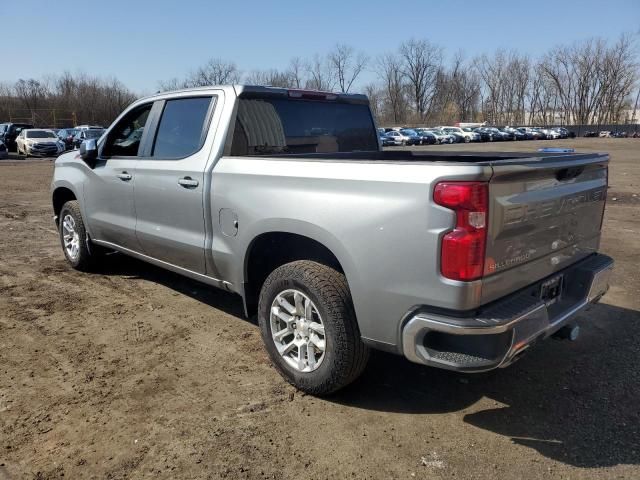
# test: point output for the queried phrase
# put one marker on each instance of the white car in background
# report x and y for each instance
(39, 142)
(442, 136)
(551, 134)
(397, 137)
(468, 136)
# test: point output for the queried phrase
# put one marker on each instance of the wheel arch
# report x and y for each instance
(272, 248)
(61, 195)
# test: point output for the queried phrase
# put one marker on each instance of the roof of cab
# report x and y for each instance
(241, 89)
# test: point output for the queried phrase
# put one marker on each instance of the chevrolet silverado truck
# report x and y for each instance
(455, 260)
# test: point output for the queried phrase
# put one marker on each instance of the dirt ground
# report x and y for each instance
(137, 372)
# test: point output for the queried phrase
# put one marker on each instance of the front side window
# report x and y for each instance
(124, 139)
(181, 127)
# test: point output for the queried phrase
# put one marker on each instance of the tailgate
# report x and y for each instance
(545, 213)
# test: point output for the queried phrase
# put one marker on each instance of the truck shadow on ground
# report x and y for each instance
(121, 265)
(574, 402)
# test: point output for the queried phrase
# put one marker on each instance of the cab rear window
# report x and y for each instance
(280, 126)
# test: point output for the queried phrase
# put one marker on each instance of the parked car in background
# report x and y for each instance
(505, 134)
(618, 134)
(498, 136)
(4, 153)
(428, 138)
(563, 132)
(90, 127)
(442, 136)
(486, 135)
(528, 134)
(532, 133)
(590, 134)
(395, 138)
(66, 135)
(39, 143)
(10, 131)
(550, 134)
(467, 136)
(604, 134)
(475, 137)
(457, 137)
(515, 133)
(387, 141)
(412, 136)
(85, 134)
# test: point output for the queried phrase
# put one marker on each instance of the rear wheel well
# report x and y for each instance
(271, 250)
(61, 195)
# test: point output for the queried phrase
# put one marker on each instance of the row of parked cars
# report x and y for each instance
(610, 134)
(26, 140)
(440, 135)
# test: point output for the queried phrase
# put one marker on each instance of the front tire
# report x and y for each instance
(309, 327)
(74, 240)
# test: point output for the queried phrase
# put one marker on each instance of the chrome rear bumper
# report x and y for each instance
(496, 335)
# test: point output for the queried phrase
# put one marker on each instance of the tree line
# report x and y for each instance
(588, 82)
(64, 100)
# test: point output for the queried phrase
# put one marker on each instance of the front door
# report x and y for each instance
(108, 192)
(169, 188)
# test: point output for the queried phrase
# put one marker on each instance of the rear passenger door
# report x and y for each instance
(169, 191)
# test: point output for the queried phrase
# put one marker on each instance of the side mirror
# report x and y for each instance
(89, 152)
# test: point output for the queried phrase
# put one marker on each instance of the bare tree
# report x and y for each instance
(215, 72)
(421, 62)
(31, 92)
(376, 98)
(171, 84)
(319, 74)
(390, 72)
(271, 77)
(296, 69)
(346, 65)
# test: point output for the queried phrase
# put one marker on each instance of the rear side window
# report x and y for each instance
(181, 130)
(267, 126)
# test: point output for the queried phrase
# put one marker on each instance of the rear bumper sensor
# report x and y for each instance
(496, 335)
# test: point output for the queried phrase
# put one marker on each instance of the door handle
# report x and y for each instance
(188, 182)
(124, 176)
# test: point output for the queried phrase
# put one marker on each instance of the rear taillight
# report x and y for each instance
(463, 249)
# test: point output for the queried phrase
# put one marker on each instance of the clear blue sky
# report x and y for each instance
(143, 41)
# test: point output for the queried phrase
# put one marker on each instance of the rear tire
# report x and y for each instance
(329, 360)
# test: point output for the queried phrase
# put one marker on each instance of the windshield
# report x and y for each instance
(40, 134)
(283, 125)
(409, 132)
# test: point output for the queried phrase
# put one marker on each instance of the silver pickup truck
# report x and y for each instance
(454, 260)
